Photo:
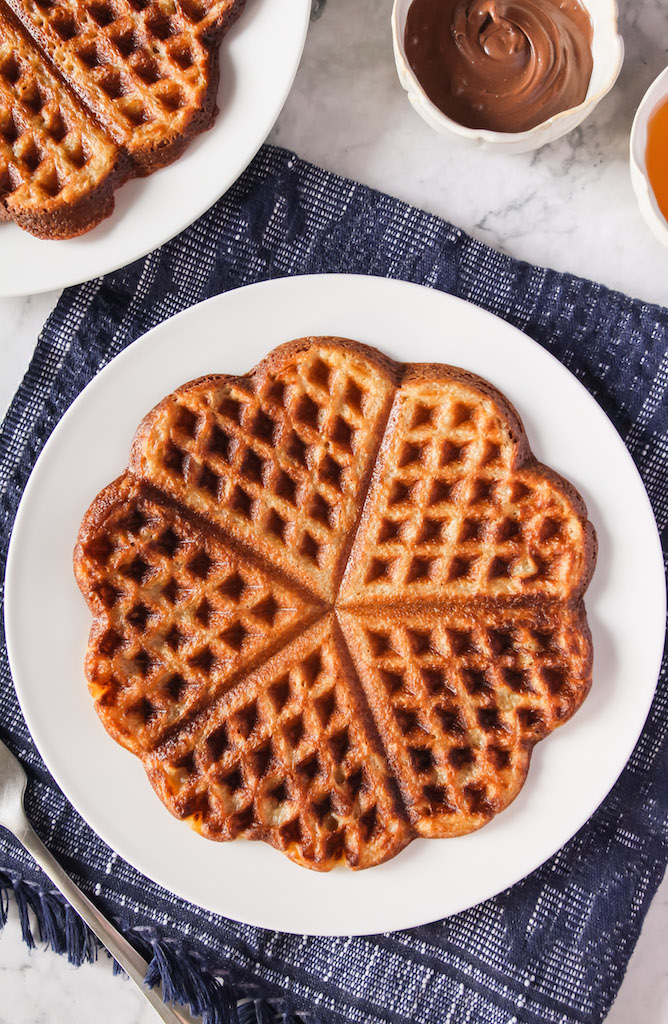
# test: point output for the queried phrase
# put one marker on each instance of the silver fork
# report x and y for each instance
(13, 783)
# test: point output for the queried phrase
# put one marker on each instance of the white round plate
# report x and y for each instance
(259, 58)
(572, 770)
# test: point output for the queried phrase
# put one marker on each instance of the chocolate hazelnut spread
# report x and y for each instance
(506, 65)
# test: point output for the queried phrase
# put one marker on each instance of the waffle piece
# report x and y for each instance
(148, 71)
(135, 81)
(58, 170)
(177, 615)
(458, 506)
(290, 756)
(461, 696)
(337, 602)
(280, 458)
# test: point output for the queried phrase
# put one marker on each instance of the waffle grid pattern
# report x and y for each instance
(134, 80)
(281, 466)
(49, 149)
(298, 713)
(287, 757)
(462, 735)
(448, 509)
(135, 63)
(180, 616)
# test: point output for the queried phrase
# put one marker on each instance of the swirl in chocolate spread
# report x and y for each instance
(506, 65)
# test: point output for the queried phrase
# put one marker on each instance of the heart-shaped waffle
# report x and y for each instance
(458, 507)
(178, 614)
(336, 603)
(279, 460)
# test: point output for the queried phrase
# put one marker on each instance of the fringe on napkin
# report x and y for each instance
(185, 979)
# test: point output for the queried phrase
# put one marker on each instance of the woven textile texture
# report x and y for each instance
(553, 949)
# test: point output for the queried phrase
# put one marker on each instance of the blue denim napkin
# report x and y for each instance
(554, 948)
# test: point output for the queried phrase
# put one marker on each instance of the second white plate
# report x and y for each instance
(572, 770)
(259, 58)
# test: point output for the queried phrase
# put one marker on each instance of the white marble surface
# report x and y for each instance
(569, 206)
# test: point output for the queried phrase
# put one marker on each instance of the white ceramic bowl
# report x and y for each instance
(652, 100)
(608, 54)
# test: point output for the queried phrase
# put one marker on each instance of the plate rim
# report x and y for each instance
(54, 280)
(148, 339)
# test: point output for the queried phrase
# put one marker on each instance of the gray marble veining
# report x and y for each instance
(569, 205)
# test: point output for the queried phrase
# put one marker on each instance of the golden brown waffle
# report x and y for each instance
(459, 508)
(58, 169)
(290, 756)
(406, 621)
(178, 615)
(137, 78)
(280, 459)
(460, 699)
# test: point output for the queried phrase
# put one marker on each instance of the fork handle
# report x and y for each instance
(126, 955)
